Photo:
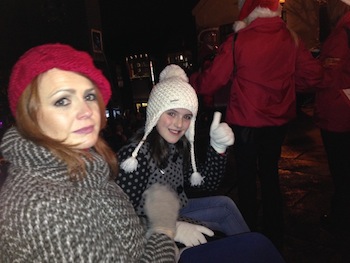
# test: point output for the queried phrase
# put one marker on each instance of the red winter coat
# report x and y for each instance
(270, 64)
(332, 108)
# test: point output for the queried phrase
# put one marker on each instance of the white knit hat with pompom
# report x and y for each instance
(172, 91)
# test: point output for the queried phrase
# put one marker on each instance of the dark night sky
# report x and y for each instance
(153, 26)
(128, 26)
(156, 27)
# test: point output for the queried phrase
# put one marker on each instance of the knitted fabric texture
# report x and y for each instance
(172, 91)
(42, 58)
(44, 217)
(247, 6)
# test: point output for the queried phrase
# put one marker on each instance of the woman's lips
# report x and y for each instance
(85, 130)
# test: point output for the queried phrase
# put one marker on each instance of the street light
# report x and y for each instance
(283, 12)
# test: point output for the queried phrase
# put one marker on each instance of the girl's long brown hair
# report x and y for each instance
(27, 125)
(159, 148)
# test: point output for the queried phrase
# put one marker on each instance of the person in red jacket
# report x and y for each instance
(267, 63)
(332, 111)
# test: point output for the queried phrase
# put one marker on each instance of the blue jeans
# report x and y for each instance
(249, 247)
(217, 213)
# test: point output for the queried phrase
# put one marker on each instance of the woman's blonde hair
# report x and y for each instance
(27, 125)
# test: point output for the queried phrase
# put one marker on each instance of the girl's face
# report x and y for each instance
(173, 124)
(69, 108)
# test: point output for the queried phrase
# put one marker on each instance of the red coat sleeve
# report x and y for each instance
(218, 73)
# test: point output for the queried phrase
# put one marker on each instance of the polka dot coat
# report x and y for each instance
(148, 173)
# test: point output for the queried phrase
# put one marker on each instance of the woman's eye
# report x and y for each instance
(62, 102)
(188, 117)
(91, 97)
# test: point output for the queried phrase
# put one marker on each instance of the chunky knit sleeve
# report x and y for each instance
(159, 249)
(45, 217)
(85, 228)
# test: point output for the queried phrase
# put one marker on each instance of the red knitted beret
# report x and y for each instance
(249, 5)
(42, 58)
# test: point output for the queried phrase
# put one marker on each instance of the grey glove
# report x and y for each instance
(161, 207)
(221, 135)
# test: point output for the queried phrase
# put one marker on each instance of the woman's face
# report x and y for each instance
(346, 2)
(173, 124)
(69, 108)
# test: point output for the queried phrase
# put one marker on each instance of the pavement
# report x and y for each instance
(307, 188)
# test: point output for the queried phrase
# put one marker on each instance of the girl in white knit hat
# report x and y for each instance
(164, 152)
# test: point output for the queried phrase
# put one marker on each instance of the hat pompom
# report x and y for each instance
(196, 179)
(173, 71)
(129, 165)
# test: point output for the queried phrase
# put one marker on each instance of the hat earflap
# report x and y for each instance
(196, 178)
(129, 165)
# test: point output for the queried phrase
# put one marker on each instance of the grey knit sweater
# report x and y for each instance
(44, 217)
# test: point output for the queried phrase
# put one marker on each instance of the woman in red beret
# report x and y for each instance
(59, 202)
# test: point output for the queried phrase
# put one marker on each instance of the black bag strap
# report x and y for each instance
(347, 30)
(233, 52)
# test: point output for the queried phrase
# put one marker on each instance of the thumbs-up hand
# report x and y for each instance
(221, 135)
